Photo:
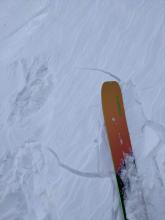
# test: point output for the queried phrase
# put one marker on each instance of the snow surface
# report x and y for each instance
(54, 156)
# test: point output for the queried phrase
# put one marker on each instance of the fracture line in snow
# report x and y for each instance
(101, 70)
(77, 172)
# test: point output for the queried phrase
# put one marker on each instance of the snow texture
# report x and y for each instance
(55, 162)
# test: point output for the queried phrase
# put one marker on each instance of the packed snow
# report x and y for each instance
(55, 162)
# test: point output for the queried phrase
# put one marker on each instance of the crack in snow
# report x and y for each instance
(104, 71)
(77, 172)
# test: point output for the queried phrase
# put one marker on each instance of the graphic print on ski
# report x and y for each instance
(117, 131)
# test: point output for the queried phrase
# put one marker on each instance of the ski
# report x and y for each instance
(117, 133)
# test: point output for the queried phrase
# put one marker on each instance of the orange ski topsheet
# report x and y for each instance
(115, 122)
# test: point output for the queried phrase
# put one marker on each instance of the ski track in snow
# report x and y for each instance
(53, 62)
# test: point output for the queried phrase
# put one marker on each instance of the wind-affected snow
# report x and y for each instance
(55, 162)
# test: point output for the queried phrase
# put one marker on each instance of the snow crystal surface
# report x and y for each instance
(55, 162)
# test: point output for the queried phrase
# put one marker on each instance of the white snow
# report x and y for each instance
(55, 162)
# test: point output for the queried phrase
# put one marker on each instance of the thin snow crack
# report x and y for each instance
(77, 172)
(104, 71)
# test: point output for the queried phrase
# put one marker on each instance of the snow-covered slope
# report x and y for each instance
(54, 56)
